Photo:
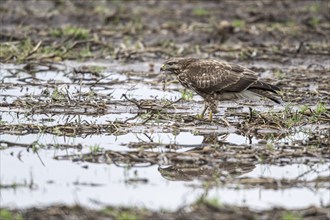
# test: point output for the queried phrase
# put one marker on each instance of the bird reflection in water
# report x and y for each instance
(205, 163)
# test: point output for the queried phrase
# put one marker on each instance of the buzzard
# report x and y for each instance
(216, 80)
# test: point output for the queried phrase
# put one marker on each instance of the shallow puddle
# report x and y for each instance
(96, 147)
(39, 178)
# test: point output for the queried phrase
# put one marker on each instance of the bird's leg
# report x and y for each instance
(212, 108)
(203, 112)
(210, 115)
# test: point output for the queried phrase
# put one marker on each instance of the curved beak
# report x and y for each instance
(163, 68)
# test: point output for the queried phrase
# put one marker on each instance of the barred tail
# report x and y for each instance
(265, 93)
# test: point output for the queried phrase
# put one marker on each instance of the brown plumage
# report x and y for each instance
(218, 80)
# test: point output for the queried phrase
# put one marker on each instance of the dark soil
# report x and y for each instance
(287, 42)
(199, 211)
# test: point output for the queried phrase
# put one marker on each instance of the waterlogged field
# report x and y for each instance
(91, 128)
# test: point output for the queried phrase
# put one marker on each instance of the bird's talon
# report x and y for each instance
(199, 116)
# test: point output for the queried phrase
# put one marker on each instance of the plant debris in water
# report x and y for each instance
(76, 69)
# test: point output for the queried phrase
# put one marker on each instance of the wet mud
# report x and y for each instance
(86, 112)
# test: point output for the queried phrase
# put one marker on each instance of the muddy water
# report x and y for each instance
(50, 165)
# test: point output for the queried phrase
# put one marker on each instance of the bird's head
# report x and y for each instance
(176, 65)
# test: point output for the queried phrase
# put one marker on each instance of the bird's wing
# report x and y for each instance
(216, 76)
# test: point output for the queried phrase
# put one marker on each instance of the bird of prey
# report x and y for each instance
(216, 80)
